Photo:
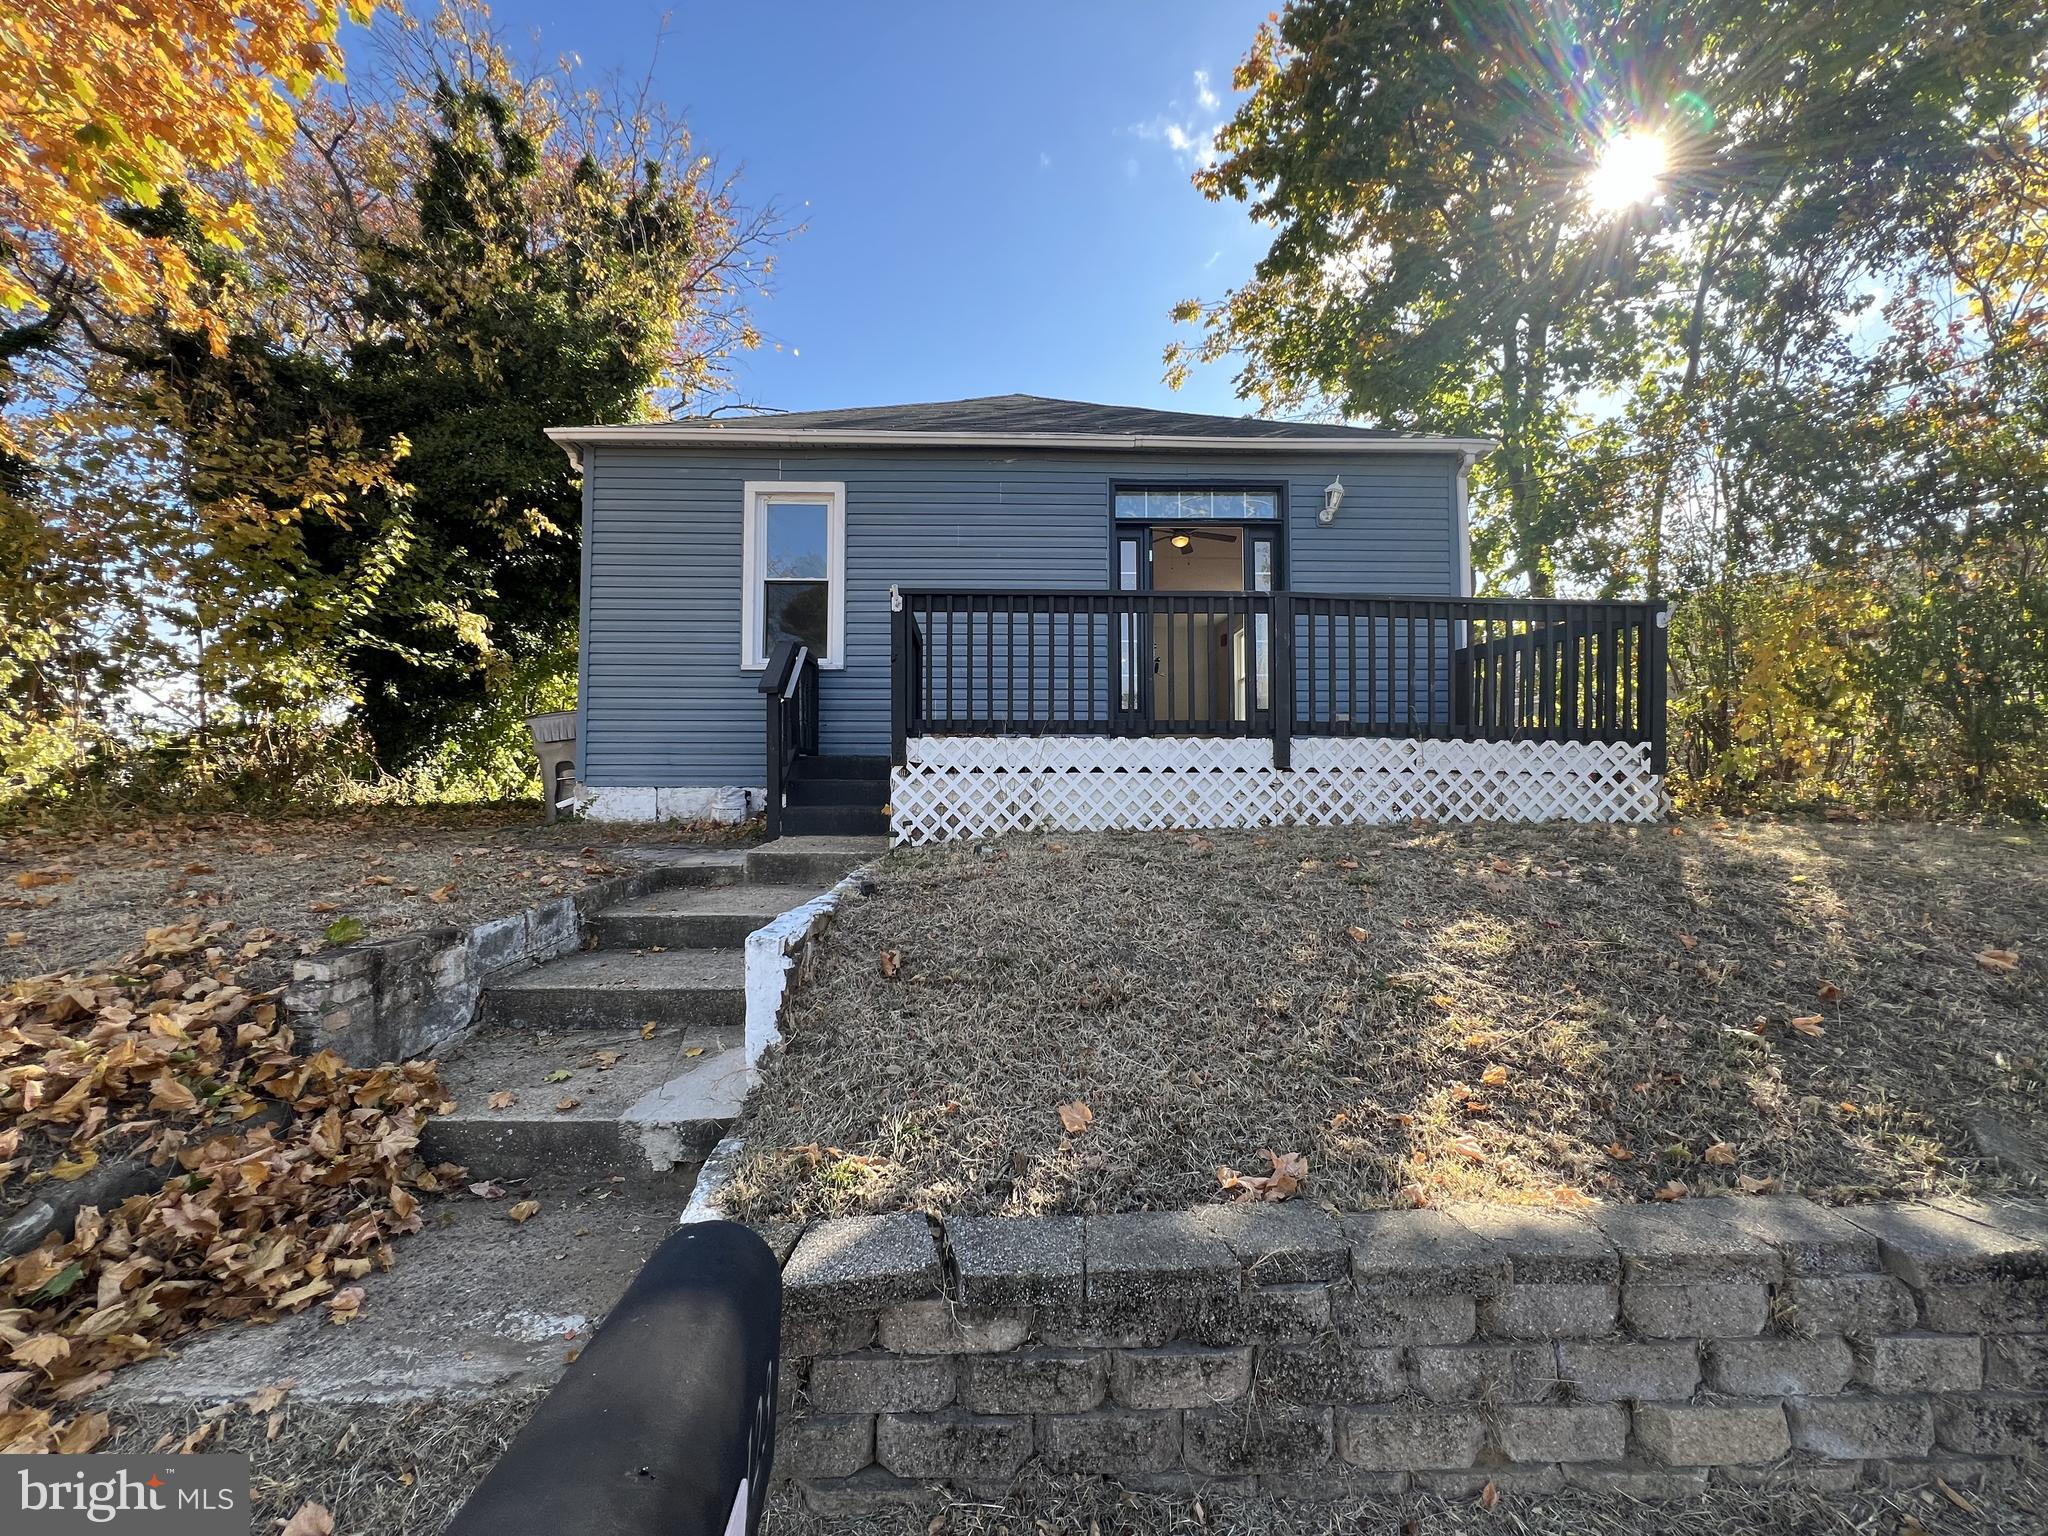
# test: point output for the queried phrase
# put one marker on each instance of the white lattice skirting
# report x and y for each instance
(980, 786)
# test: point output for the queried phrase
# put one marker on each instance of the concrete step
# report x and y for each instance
(720, 918)
(660, 1105)
(689, 868)
(835, 821)
(618, 989)
(821, 861)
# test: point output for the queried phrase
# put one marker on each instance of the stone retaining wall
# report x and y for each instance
(388, 999)
(1650, 1349)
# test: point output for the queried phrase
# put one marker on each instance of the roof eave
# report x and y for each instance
(655, 435)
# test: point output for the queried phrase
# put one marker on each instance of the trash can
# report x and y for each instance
(554, 743)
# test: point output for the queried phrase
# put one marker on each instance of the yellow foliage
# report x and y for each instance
(106, 105)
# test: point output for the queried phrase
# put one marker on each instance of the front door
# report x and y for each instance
(1196, 667)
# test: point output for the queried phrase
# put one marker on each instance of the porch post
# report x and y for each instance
(900, 682)
(1658, 661)
(1282, 694)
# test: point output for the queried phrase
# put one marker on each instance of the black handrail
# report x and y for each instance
(666, 1424)
(790, 686)
(994, 662)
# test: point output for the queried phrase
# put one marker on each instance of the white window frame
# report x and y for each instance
(754, 550)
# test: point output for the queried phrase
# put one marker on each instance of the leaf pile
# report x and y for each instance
(287, 1174)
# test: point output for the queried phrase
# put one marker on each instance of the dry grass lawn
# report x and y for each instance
(1523, 1013)
(1046, 1506)
(75, 893)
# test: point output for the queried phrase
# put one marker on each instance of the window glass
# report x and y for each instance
(796, 540)
(1187, 502)
(1262, 565)
(1127, 565)
(795, 610)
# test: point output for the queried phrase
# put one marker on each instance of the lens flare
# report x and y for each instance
(1629, 173)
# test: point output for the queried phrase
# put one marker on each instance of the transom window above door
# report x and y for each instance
(794, 567)
(1188, 503)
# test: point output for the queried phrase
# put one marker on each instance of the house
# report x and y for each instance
(960, 618)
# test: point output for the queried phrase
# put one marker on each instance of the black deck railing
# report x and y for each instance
(1281, 664)
(790, 686)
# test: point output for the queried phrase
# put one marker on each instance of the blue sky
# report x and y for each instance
(996, 196)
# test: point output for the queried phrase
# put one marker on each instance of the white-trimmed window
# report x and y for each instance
(794, 560)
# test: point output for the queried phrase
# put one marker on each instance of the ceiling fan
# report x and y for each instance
(1183, 539)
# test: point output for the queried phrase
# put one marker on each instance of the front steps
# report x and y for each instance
(837, 797)
(628, 1060)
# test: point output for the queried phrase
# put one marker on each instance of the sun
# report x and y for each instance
(1629, 173)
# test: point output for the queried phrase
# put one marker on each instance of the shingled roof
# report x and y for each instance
(1038, 415)
(1012, 420)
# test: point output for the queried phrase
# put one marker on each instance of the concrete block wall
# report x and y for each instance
(1650, 1349)
(388, 999)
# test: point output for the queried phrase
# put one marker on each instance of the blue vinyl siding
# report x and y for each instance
(665, 701)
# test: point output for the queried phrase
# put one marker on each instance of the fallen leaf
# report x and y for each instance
(1689, 941)
(1494, 1076)
(1620, 1153)
(1284, 1182)
(2002, 962)
(263, 1399)
(41, 1350)
(16, 939)
(892, 962)
(1675, 1190)
(647, 1030)
(559, 1075)
(76, 1168)
(1828, 991)
(504, 1098)
(309, 1520)
(1720, 1154)
(692, 1052)
(344, 931)
(1808, 1024)
(1358, 935)
(1954, 1498)
(486, 1190)
(324, 906)
(1750, 1186)
(344, 1305)
(524, 1211)
(82, 1434)
(1489, 1495)
(1076, 1117)
(198, 869)
(1468, 1147)
(566, 1103)
(441, 892)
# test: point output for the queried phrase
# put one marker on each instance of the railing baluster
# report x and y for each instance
(1499, 669)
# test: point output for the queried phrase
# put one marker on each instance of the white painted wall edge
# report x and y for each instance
(713, 1179)
(729, 802)
(769, 949)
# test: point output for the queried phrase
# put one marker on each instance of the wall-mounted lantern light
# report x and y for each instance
(1333, 498)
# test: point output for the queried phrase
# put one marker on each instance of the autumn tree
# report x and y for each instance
(1493, 218)
(336, 497)
(106, 108)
